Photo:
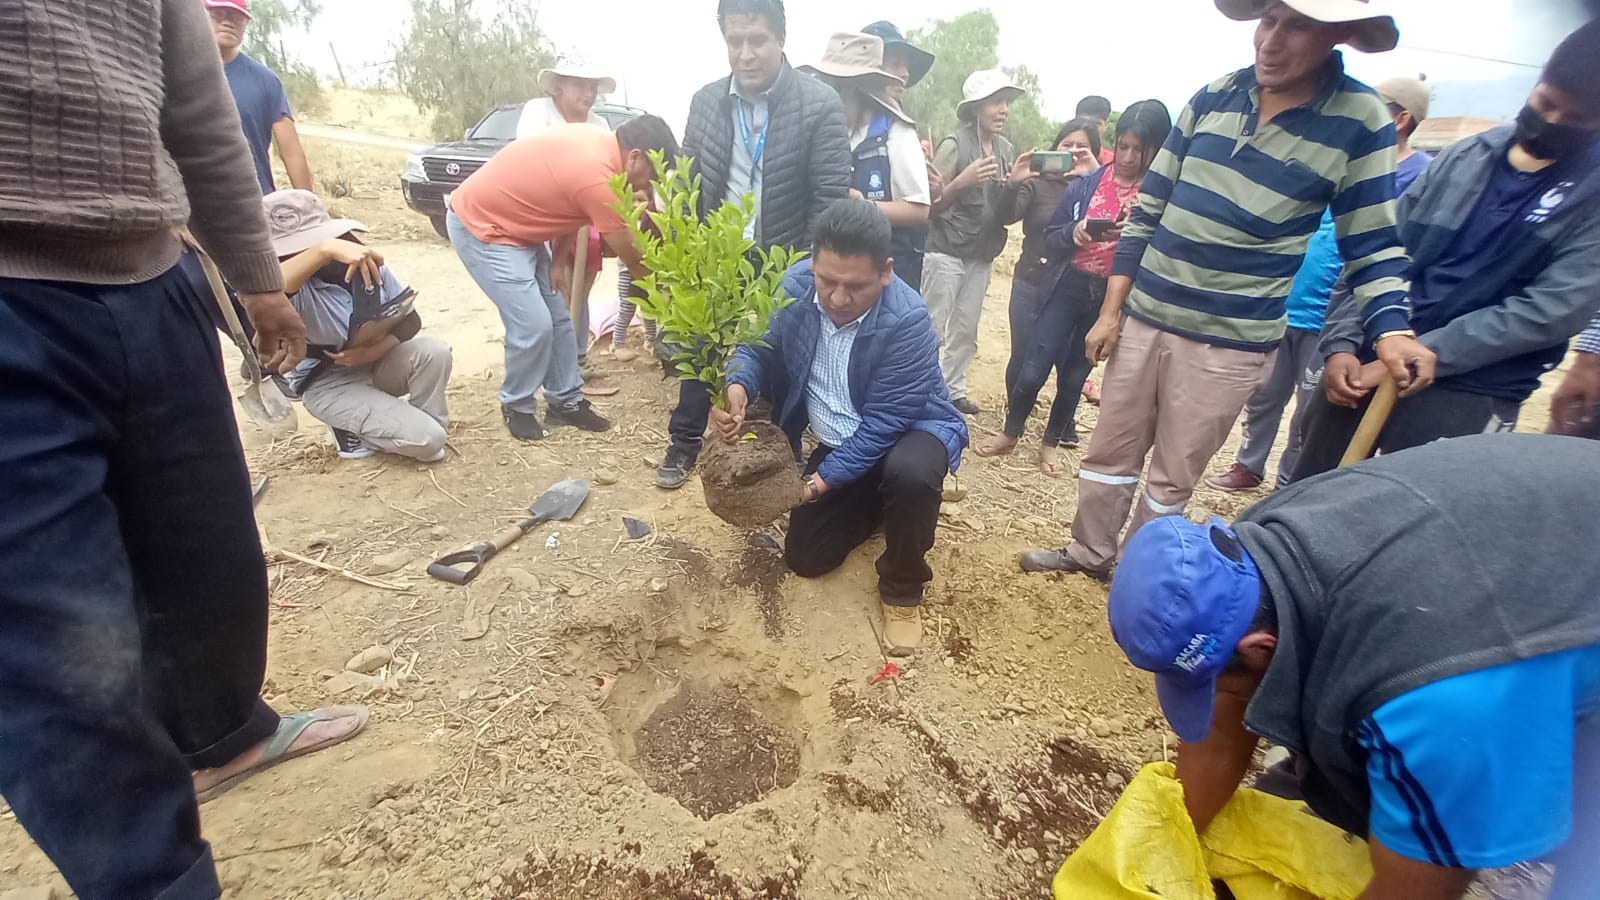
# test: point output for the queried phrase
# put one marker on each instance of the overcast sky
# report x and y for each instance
(1481, 55)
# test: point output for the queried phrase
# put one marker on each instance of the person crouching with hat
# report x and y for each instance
(1429, 654)
(981, 173)
(887, 165)
(364, 352)
(570, 92)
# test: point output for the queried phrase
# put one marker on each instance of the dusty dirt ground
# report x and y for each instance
(672, 717)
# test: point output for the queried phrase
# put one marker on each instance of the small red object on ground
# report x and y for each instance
(889, 671)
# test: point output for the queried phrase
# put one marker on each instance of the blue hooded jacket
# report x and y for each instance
(895, 382)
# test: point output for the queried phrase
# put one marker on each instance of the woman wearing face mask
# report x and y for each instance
(967, 230)
(1079, 244)
(1035, 206)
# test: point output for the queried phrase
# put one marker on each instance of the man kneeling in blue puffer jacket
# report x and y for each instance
(855, 359)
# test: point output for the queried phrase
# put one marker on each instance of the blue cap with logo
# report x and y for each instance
(1183, 596)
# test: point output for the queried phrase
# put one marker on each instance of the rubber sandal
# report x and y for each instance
(599, 390)
(290, 728)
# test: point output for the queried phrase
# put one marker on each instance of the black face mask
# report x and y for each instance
(1546, 140)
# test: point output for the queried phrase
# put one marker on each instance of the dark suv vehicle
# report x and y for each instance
(433, 172)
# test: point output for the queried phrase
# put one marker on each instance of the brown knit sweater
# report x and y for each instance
(116, 124)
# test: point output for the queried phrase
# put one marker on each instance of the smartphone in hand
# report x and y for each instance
(1098, 228)
(1051, 162)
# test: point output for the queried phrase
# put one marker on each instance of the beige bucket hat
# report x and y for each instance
(297, 221)
(1375, 30)
(983, 84)
(547, 77)
(852, 55)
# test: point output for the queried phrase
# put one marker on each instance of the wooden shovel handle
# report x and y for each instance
(510, 534)
(578, 297)
(1372, 422)
(448, 568)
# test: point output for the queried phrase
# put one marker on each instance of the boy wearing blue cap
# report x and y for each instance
(1430, 653)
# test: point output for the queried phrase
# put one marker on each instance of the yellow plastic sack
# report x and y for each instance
(1263, 847)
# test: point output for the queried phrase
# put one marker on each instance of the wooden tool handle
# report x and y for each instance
(509, 535)
(578, 294)
(1372, 422)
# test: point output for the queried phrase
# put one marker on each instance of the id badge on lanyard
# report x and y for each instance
(761, 141)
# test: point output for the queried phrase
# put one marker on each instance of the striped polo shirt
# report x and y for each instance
(1226, 211)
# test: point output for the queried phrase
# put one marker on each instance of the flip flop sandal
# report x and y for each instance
(290, 728)
(600, 390)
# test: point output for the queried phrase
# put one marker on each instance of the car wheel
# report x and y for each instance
(439, 226)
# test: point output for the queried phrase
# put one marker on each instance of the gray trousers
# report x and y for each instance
(1264, 413)
(366, 400)
(953, 289)
(1166, 397)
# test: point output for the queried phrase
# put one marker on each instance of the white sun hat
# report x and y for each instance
(983, 84)
(1375, 30)
(547, 77)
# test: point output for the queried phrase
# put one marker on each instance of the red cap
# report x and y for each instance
(241, 6)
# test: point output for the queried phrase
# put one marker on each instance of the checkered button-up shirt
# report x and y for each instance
(833, 416)
(1589, 341)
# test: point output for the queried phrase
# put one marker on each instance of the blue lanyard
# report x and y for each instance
(761, 142)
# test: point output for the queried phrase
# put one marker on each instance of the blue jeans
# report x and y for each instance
(541, 346)
(1048, 334)
(1263, 415)
(133, 610)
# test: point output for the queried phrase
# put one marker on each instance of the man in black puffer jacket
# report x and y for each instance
(767, 130)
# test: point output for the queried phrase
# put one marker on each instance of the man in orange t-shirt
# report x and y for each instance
(539, 190)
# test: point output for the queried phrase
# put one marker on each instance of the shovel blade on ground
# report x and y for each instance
(561, 502)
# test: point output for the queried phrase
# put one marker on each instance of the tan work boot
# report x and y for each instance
(902, 629)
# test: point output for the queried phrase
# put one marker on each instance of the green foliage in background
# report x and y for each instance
(459, 65)
(963, 45)
(703, 291)
(264, 42)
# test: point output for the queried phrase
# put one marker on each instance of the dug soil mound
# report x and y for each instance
(750, 483)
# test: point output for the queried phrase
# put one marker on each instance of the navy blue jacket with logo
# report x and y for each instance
(1497, 335)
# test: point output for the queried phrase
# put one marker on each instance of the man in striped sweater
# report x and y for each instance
(1194, 310)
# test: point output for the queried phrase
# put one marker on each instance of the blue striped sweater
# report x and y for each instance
(1228, 206)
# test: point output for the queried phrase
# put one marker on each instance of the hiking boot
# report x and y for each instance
(350, 445)
(1060, 561)
(902, 629)
(967, 407)
(523, 426)
(1237, 478)
(675, 469)
(579, 414)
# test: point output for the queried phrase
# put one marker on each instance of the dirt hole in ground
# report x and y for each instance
(712, 750)
(697, 731)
